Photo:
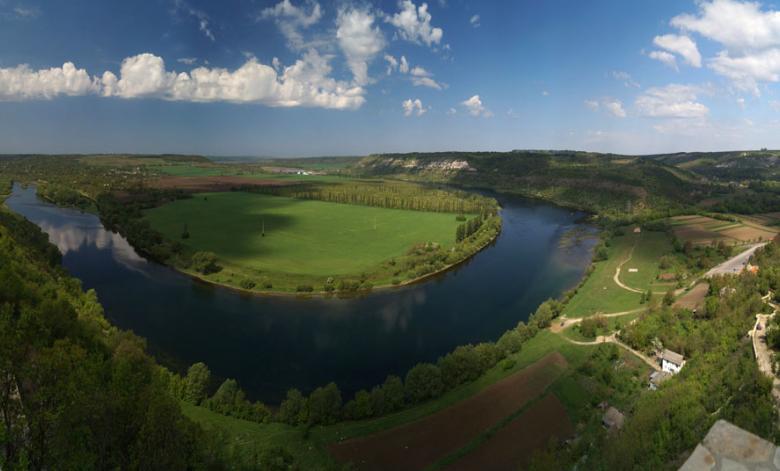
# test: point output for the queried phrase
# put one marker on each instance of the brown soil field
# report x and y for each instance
(693, 299)
(697, 235)
(747, 233)
(203, 184)
(512, 447)
(419, 444)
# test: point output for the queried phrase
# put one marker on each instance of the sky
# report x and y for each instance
(311, 78)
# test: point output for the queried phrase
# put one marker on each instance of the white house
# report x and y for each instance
(672, 362)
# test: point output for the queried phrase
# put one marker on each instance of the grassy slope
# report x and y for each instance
(228, 170)
(652, 246)
(302, 237)
(312, 452)
(599, 293)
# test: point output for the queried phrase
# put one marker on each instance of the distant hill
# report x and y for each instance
(612, 185)
(732, 165)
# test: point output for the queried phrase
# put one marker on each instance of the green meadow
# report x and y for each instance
(302, 237)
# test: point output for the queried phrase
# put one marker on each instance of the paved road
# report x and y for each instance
(735, 264)
(612, 338)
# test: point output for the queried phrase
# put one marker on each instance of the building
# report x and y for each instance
(672, 362)
(658, 377)
(637, 230)
(613, 419)
(667, 277)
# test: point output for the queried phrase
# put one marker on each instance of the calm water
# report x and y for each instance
(270, 344)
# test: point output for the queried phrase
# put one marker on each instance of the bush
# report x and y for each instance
(304, 288)
(247, 284)
(508, 364)
(423, 382)
(205, 263)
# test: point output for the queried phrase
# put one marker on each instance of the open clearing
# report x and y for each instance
(599, 293)
(302, 237)
(512, 446)
(422, 443)
(703, 230)
(693, 299)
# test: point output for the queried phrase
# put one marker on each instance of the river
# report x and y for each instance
(270, 344)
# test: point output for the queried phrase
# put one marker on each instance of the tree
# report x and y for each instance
(669, 298)
(196, 382)
(205, 262)
(293, 409)
(324, 405)
(423, 382)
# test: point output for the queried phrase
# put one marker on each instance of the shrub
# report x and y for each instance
(205, 263)
(304, 288)
(247, 284)
(423, 382)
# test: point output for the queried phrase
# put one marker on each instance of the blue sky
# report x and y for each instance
(300, 77)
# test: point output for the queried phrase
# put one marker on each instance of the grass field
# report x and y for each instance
(302, 237)
(599, 293)
(651, 247)
(311, 451)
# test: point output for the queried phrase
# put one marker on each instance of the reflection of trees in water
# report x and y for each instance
(71, 238)
(397, 313)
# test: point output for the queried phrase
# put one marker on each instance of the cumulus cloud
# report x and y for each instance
(749, 35)
(413, 107)
(360, 41)
(404, 67)
(305, 83)
(671, 101)
(610, 105)
(292, 19)
(414, 24)
(22, 83)
(421, 77)
(681, 45)
(200, 16)
(665, 58)
(392, 63)
(475, 107)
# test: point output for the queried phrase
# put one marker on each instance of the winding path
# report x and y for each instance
(761, 350)
(612, 338)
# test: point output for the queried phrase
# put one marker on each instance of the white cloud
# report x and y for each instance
(475, 107)
(26, 12)
(305, 83)
(404, 67)
(413, 107)
(452, 111)
(187, 60)
(682, 45)
(626, 78)
(749, 34)
(360, 40)
(392, 63)
(22, 83)
(740, 26)
(665, 58)
(292, 19)
(593, 105)
(474, 21)
(545, 93)
(202, 17)
(610, 105)
(615, 108)
(414, 23)
(671, 101)
(421, 77)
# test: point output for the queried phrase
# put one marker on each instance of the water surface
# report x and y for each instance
(270, 344)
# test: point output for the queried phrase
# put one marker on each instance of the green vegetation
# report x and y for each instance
(71, 382)
(253, 240)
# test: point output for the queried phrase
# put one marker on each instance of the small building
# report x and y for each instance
(667, 277)
(752, 268)
(657, 378)
(672, 362)
(637, 230)
(613, 419)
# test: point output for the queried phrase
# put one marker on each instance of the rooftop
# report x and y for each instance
(673, 357)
